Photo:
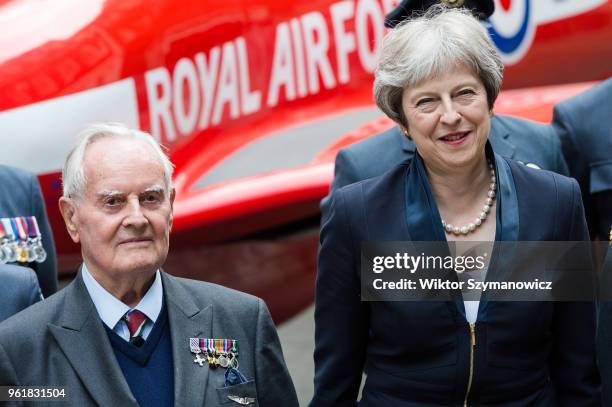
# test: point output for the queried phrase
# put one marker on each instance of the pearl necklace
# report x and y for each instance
(472, 226)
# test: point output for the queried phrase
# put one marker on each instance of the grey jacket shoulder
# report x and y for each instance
(203, 293)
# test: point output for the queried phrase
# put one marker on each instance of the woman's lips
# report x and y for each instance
(455, 138)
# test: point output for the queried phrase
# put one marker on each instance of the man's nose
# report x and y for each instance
(134, 217)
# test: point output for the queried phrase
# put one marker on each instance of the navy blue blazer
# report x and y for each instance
(417, 353)
(583, 125)
(530, 143)
(18, 289)
(20, 195)
(604, 330)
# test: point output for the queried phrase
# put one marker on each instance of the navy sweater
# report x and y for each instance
(148, 369)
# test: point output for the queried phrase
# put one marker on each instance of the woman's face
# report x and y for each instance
(448, 119)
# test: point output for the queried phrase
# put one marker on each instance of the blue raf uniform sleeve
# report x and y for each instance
(573, 368)
(46, 271)
(346, 172)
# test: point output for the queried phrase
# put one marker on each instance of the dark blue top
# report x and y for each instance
(148, 369)
(418, 353)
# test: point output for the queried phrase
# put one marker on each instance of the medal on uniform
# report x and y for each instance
(3, 238)
(224, 360)
(194, 345)
(25, 240)
(10, 245)
(216, 352)
(40, 255)
(22, 249)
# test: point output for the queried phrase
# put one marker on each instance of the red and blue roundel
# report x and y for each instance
(512, 28)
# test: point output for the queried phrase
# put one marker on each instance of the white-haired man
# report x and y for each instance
(125, 333)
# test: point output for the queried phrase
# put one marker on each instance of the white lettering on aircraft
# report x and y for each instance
(214, 86)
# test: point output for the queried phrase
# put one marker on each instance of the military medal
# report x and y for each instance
(10, 246)
(3, 238)
(216, 352)
(40, 255)
(234, 354)
(22, 249)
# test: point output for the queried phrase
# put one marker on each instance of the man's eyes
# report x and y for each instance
(151, 198)
(114, 201)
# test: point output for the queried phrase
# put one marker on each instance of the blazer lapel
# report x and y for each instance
(407, 144)
(499, 138)
(84, 341)
(187, 320)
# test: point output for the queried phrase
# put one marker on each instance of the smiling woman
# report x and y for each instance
(438, 78)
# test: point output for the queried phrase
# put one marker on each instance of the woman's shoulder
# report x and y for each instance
(539, 181)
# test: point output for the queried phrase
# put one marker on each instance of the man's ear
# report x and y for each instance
(67, 207)
(172, 196)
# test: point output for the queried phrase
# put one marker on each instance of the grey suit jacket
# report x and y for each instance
(20, 195)
(18, 289)
(530, 143)
(583, 125)
(62, 342)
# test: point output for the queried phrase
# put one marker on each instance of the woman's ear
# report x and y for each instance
(405, 132)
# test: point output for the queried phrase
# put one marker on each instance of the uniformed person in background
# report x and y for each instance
(532, 144)
(18, 289)
(25, 234)
(583, 125)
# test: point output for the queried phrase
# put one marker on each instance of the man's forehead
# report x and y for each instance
(113, 156)
(115, 150)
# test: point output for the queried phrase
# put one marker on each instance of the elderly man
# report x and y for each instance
(124, 333)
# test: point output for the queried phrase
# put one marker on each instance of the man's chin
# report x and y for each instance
(139, 266)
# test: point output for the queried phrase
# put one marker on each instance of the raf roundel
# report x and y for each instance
(512, 29)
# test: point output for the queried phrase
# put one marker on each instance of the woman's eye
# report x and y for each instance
(424, 102)
(466, 92)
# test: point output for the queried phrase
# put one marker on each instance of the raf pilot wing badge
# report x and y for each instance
(244, 401)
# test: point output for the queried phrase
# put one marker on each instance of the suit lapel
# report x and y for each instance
(84, 341)
(187, 320)
(407, 144)
(499, 138)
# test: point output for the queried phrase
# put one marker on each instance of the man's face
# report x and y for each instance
(124, 216)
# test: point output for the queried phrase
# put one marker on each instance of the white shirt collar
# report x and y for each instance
(111, 310)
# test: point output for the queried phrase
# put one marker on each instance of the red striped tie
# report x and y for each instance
(135, 321)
